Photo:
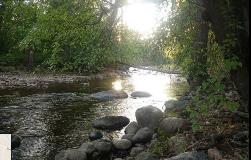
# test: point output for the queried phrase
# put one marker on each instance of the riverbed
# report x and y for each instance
(59, 116)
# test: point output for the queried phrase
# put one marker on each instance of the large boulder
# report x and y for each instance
(15, 141)
(122, 144)
(143, 135)
(146, 156)
(140, 94)
(190, 156)
(148, 116)
(172, 124)
(132, 128)
(109, 95)
(71, 154)
(111, 123)
(102, 145)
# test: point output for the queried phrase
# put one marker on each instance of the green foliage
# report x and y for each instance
(70, 35)
(208, 97)
(160, 145)
(176, 37)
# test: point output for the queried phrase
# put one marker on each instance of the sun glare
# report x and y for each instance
(117, 85)
(140, 16)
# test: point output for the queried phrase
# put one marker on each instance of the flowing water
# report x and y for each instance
(60, 116)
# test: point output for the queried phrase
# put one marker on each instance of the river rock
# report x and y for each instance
(136, 150)
(132, 128)
(173, 105)
(190, 156)
(172, 125)
(88, 148)
(140, 94)
(148, 116)
(146, 156)
(95, 135)
(109, 95)
(128, 137)
(111, 123)
(122, 144)
(214, 154)
(15, 141)
(102, 145)
(143, 135)
(71, 154)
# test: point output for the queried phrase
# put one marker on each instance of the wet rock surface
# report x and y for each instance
(140, 94)
(109, 95)
(15, 141)
(110, 123)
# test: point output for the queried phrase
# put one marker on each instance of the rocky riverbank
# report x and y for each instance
(135, 143)
(156, 135)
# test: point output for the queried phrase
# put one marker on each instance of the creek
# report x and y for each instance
(59, 116)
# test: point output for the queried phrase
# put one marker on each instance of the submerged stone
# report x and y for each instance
(15, 141)
(140, 94)
(109, 95)
(111, 123)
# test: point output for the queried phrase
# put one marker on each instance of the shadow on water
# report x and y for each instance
(59, 116)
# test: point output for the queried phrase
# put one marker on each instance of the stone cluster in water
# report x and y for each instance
(139, 135)
(133, 144)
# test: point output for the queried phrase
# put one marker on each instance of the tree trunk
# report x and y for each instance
(240, 76)
(199, 55)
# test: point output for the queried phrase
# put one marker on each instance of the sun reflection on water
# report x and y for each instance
(161, 86)
(117, 85)
(153, 84)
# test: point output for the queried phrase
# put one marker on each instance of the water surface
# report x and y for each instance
(59, 116)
